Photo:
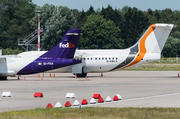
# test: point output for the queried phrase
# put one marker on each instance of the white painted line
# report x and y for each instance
(149, 97)
(156, 96)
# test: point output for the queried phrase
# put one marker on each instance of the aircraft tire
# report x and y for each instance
(82, 75)
(3, 78)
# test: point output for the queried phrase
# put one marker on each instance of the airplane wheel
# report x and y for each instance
(82, 75)
(3, 78)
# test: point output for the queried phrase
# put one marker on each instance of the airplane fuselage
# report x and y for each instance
(97, 61)
(23, 65)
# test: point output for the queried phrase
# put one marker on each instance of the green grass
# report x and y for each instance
(164, 64)
(94, 113)
(170, 60)
(154, 67)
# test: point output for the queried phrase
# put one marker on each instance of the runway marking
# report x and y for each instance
(150, 97)
(156, 96)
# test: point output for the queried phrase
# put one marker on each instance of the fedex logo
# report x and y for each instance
(67, 45)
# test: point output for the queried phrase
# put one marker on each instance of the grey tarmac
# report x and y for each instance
(137, 88)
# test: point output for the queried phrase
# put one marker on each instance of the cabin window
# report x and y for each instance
(87, 58)
(95, 58)
(116, 58)
(84, 58)
(106, 58)
(103, 58)
(99, 58)
(109, 58)
(113, 58)
(91, 58)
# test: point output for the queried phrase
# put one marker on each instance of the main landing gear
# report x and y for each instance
(82, 75)
(3, 78)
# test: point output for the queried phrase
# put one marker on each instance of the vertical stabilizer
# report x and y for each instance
(156, 40)
(66, 48)
(149, 46)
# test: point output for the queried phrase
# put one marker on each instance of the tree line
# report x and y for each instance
(104, 28)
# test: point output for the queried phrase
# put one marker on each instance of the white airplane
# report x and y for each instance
(147, 49)
(59, 56)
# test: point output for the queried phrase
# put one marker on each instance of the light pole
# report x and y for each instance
(39, 12)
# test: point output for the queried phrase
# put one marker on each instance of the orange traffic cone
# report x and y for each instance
(75, 76)
(101, 74)
(50, 75)
(86, 78)
(54, 75)
(18, 77)
(24, 78)
(38, 76)
(42, 78)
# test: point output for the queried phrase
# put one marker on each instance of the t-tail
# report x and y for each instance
(149, 46)
(59, 56)
(154, 38)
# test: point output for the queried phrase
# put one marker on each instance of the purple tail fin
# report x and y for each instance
(66, 48)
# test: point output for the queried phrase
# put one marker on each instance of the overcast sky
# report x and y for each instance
(140, 4)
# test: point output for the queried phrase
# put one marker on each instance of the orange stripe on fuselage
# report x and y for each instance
(142, 47)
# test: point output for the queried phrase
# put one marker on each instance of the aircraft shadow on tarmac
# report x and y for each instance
(52, 79)
(89, 78)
